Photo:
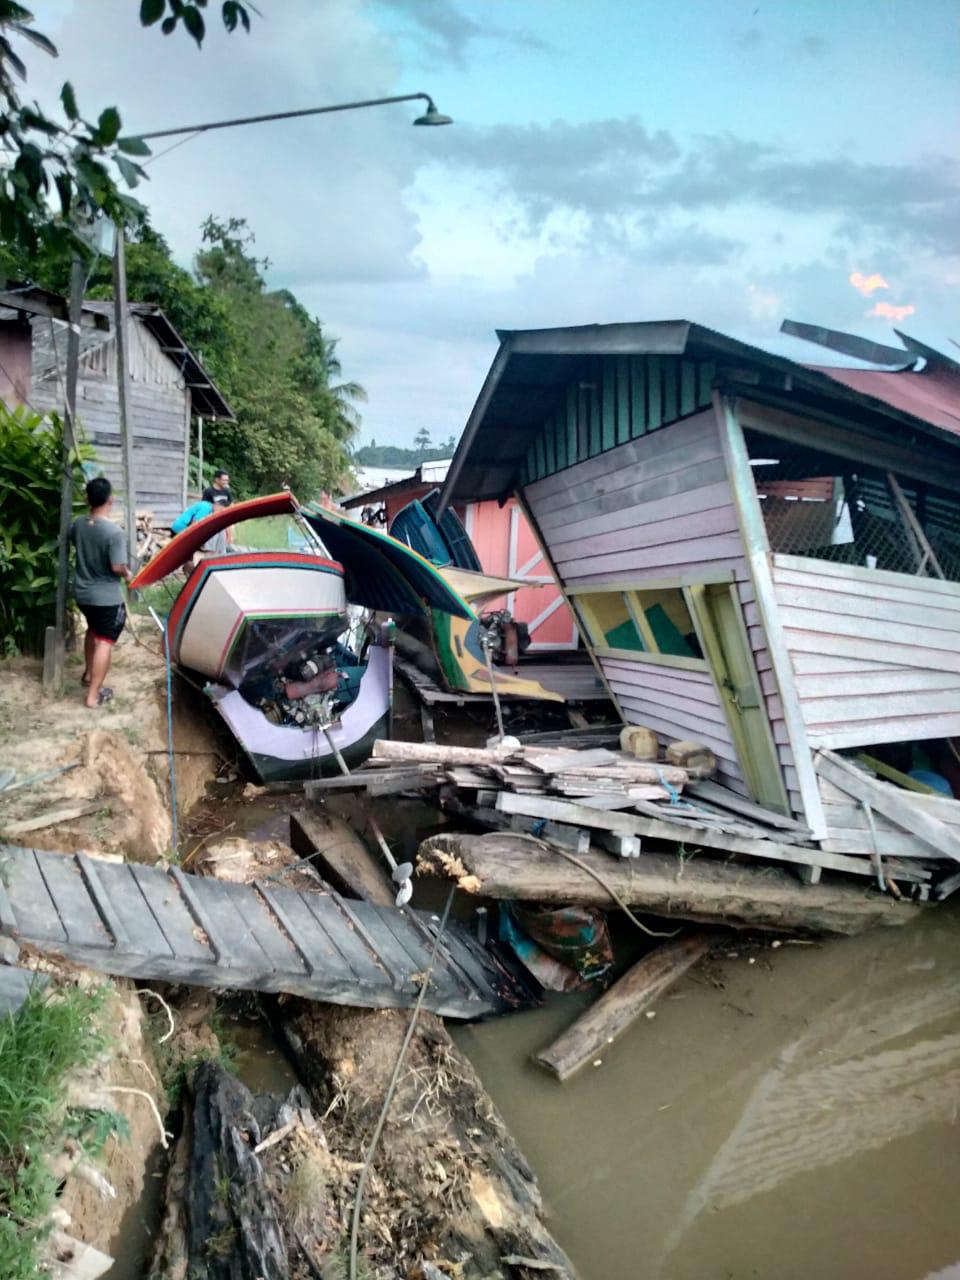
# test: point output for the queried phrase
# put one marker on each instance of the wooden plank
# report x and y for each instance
(909, 706)
(171, 914)
(101, 900)
(344, 860)
(894, 804)
(831, 595)
(607, 1019)
(875, 579)
(616, 566)
(651, 537)
(130, 908)
(873, 678)
(368, 970)
(867, 732)
(16, 985)
(312, 942)
(411, 940)
(897, 844)
(35, 910)
(707, 790)
(77, 911)
(705, 498)
(205, 919)
(576, 839)
(663, 829)
(236, 924)
(51, 818)
(878, 633)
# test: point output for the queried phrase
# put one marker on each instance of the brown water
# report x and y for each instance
(800, 1122)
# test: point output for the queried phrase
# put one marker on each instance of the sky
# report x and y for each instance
(732, 163)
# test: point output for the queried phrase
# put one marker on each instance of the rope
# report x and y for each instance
(391, 1088)
(670, 789)
(170, 752)
(602, 881)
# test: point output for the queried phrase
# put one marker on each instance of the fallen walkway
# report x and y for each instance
(148, 922)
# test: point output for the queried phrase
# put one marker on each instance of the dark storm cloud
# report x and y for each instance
(449, 32)
(617, 167)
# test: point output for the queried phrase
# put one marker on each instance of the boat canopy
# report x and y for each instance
(380, 572)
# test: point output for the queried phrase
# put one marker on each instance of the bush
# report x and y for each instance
(30, 468)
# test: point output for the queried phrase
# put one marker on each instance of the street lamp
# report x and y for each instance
(430, 117)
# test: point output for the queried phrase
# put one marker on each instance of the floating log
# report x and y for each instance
(514, 867)
(622, 1004)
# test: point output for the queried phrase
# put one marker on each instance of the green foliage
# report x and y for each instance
(391, 455)
(92, 1128)
(31, 449)
(39, 1047)
(70, 159)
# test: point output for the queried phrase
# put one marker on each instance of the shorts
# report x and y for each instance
(106, 621)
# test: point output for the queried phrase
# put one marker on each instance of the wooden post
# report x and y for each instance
(622, 1004)
(200, 454)
(55, 637)
(123, 386)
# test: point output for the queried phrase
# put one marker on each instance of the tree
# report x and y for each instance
(421, 440)
(70, 160)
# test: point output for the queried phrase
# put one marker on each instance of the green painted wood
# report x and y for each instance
(654, 393)
(623, 399)
(688, 387)
(561, 430)
(638, 397)
(706, 372)
(549, 449)
(593, 411)
(671, 390)
(572, 425)
(608, 405)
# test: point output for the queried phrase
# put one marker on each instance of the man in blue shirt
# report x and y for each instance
(100, 564)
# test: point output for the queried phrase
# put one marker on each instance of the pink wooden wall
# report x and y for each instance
(506, 546)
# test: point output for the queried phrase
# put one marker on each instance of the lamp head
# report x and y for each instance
(432, 116)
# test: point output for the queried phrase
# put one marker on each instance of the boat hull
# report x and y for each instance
(289, 753)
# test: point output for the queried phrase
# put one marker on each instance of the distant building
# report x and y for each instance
(168, 385)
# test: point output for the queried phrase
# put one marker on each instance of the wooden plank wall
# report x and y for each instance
(651, 509)
(158, 403)
(876, 654)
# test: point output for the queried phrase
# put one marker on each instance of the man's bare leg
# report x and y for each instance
(89, 644)
(99, 666)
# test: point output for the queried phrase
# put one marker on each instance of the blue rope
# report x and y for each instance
(538, 826)
(671, 790)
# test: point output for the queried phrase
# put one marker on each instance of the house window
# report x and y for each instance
(665, 619)
(609, 620)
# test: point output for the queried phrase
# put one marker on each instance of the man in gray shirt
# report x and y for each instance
(101, 563)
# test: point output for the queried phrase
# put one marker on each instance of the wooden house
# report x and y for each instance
(167, 387)
(505, 545)
(761, 555)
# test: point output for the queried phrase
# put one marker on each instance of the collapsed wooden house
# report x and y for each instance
(761, 555)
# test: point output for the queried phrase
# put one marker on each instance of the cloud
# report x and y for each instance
(867, 284)
(888, 311)
(450, 32)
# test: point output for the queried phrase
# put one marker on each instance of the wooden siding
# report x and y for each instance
(623, 398)
(159, 405)
(875, 654)
(650, 509)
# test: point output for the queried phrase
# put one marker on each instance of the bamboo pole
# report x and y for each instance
(123, 385)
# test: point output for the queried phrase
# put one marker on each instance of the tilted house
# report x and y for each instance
(761, 555)
(167, 386)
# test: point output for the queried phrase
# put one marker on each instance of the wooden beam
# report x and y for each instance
(342, 858)
(617, 1008)
(757, 548)
(892, 803)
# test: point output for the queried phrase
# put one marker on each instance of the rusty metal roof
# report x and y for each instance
(931, 394)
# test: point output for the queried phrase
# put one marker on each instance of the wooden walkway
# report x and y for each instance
(146, 922)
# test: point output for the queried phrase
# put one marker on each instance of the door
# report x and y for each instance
(542, 608)
(718, 618)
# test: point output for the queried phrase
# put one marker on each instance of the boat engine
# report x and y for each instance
(504, 637)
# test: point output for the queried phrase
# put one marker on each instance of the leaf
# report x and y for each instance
(69, 100)
(131, 172)
(64, 191)
(151, 11)
(133, 146)
(168, 25)
(35, 37)
(193, 21)
(108, 126)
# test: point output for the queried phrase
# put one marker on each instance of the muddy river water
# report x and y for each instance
(802, 1121)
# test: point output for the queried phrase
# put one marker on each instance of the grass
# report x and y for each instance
(39, 1047)
(269, 533)
(161, 596)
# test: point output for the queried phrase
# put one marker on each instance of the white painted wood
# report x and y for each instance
(706, 498)
(906, 590)
(875, 578)
(884, 652)
(866, 732)
(891, 801)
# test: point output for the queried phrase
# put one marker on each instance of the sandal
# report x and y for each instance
(104, 696)
(85, 680)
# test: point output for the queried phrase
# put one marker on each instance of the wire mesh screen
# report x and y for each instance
(829, 508)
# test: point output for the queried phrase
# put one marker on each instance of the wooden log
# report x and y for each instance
(617, 1008)
(52, 818)
(513, 867)
(698, 760)
(640, 742)
(343, 860)
(434, 753)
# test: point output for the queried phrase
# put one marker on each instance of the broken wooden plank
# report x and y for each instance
(51, 818)
(576, 839)
(892, 803)
(613, 1013)
(548, 762)
(662, 829)
(505, 866)
(341, 857)
(727, 799)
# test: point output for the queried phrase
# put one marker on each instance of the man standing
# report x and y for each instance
(220, 496)
(101, 563)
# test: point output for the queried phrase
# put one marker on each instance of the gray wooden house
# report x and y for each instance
(167, 387)
(761, 555)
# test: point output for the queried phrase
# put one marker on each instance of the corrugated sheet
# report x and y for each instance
(933, 396)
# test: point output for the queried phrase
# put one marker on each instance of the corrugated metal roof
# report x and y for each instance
(932, 395)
